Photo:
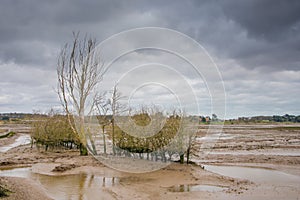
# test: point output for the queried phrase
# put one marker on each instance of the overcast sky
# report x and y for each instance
(255, 44)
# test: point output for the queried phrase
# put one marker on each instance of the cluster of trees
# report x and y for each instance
(208, 119)
(53, 131)
(79, 71)
(286, 118)
(173, 141)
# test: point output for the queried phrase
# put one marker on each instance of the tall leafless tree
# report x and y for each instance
(79, 70)
(116, 108)
(102, 108)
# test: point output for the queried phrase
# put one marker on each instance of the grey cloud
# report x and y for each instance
(253, 42)
(253, 32)
(264, 19)
(273, 26)
(258, 34)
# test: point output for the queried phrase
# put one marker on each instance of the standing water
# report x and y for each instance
(254, 174)
(74, 187)
(21, 140)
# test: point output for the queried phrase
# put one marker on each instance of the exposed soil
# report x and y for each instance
(22, 189)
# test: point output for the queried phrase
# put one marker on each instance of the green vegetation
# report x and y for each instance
(54, 132)
(171, 140)
(144, 145)
(141, 119)
(9, 134)
(286, 118)
(4, 192)
(265, 119)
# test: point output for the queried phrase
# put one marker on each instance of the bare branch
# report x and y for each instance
(79, 70)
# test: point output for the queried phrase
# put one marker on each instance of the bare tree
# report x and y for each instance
(79, 70)
(102, 107)
(191, 137)
(116, 109)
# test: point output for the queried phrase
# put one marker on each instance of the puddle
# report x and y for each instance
(192, 188)
(79, 186)
(256, 174)
(21, 140)
(23, 172)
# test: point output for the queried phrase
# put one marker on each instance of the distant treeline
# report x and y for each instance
(8, 116)
(274, 118)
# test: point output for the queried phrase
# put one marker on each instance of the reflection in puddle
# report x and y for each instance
(23, 172)
(77, 186)
(22, 140)
(255, 174)
(192, 188)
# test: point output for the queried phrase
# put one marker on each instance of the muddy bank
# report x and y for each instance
(153, 185)
(23, 189)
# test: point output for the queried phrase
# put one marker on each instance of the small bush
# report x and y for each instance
(3, 192)
(9, 134)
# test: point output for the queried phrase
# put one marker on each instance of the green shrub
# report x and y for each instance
(9, 134)
(53, 131)
(3, 192)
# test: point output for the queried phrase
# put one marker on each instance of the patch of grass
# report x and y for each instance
(9, 134)
(4, 192)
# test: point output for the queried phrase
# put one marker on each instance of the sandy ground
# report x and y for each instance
(22, 188)
(153, 185)
(251, 143)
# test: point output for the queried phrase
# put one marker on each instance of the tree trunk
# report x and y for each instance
(113, 135)
(83, 150)
(188, 155)
(104, 142)
(181, 158)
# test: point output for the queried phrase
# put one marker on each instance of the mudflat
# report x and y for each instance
(251, 149)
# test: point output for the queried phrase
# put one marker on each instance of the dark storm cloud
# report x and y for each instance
(257, 33)
(274, 25)
(265, 19)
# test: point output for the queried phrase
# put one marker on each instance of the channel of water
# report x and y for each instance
(21, 140)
